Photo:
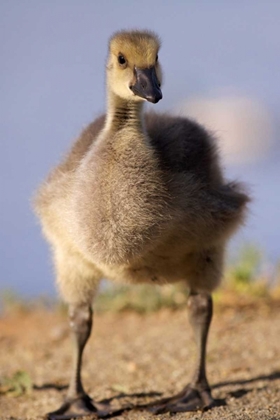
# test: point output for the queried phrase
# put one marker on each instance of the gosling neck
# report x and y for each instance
(123, 113)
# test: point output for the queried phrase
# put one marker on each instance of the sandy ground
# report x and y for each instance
(132, 357)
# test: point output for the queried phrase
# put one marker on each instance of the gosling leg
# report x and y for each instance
(196, 395)
(77, 401)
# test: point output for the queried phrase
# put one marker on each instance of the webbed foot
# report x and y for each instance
(80, 406)
(190, 399)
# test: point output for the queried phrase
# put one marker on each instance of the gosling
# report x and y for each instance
(139, 198)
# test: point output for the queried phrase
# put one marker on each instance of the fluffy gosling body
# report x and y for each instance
(139, 198)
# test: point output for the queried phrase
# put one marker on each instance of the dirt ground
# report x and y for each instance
(130, 358)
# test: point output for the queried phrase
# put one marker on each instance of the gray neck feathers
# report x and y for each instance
(122, 114)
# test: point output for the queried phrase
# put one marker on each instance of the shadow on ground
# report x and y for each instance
(239, 393)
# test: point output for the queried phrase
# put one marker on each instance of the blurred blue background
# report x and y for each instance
(221, 65)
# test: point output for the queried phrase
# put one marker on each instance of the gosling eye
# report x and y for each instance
(121, 60)
(156, 58)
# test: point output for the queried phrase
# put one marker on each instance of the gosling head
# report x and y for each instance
(133, 69)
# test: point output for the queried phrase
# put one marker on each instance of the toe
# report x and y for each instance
(189, 399)
(81, 406)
